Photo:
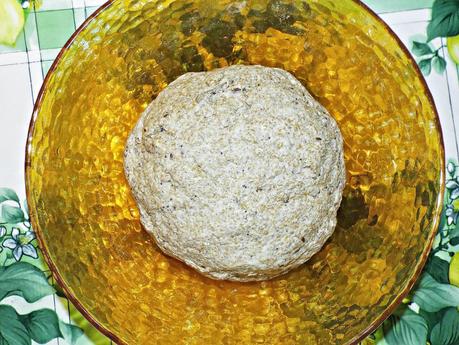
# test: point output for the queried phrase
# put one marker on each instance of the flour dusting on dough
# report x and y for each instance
(238, 172)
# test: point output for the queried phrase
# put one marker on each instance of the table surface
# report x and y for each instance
(22, 70)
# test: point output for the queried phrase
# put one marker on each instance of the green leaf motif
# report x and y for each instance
(445, 19)
(425, 66)
(25, 280)
(439, 64)
(8, 194)
(454, 232)
(438, 269)
(432, 296)
(446, 332)
(408, 328)
(42, 325)
(432, 318)
(420, 49)
(70, 333)
(452, 184)
(12, 214)
(12, 330)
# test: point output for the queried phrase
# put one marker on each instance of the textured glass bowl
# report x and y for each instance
(88, 223)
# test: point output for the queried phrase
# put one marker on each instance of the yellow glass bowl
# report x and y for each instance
(88, 223)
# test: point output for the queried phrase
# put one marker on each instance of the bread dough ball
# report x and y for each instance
(238, 172)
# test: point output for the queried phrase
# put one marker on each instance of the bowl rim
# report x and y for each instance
(111, 335)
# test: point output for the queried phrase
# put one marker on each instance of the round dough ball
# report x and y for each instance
(238, 172)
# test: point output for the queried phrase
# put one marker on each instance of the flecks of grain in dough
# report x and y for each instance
(238, 172)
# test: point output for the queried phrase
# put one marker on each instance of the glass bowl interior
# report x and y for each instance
(87, 220)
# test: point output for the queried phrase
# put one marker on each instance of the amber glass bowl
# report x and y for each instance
(88, 223)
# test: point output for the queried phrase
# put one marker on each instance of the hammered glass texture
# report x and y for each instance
(89, 223)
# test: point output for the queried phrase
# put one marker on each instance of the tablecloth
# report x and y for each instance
(33, 308)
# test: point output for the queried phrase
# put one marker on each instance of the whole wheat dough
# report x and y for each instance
(238, 172)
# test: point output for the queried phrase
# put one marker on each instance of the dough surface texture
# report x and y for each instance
(238, 172)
